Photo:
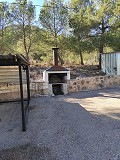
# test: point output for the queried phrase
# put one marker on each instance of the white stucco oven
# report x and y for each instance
(56, 77)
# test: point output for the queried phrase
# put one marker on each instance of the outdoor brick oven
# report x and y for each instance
(56, 77)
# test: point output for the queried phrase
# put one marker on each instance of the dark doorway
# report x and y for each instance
(57, 77)
(57, 89)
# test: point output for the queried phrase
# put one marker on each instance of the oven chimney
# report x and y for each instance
(55, 56)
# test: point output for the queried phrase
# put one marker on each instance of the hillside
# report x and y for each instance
(75, 71)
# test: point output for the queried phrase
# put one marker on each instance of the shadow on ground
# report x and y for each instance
(26, 152)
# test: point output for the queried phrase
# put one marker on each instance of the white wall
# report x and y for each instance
(110, 63)
(118, 63)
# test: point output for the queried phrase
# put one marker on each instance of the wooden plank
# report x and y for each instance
(9, 78)
(12, 81)
(11, 74)
(9, 67)
(5, 70)
(14, 69)
(5, 76)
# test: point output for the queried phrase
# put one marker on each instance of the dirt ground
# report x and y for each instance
(78, 126)
(85, 71)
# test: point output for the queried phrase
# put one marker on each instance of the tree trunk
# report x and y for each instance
(100, 53)
(101, 48)
(30, 42)
(2, 35)
(81, 58)
(27, 48)
(24, 38)
(55, 33)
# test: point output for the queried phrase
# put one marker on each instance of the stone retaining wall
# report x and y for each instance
(93, 83)
(80, 84)
(38, 88)
(74, 85)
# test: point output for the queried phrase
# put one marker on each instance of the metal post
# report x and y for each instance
(28, 84)
(22, 100)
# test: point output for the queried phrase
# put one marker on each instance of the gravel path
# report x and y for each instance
(78, 126)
